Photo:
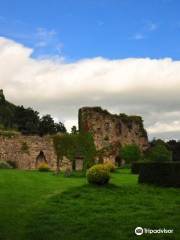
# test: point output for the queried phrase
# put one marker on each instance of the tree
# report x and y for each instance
(154, 142)
(47, 125)
(130, 152)
(26, 120)
(174, 146)
(159, 152)
(60, 127)
(74, 130)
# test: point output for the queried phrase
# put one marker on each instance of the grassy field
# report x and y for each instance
(42, 206)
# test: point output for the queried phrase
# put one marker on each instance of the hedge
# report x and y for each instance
(136, 166)
(165, 174)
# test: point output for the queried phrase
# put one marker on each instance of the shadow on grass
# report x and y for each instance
(102, 213)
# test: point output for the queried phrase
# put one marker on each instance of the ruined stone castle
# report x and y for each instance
(110, 132)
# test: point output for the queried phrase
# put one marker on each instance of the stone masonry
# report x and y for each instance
(111, 131)
(25, 151)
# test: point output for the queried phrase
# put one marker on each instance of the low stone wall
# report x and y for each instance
(27, 152)
(24, 150)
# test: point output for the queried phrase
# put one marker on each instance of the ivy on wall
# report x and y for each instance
(25, 148)
(73, 146)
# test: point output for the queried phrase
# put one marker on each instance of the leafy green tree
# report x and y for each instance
(74, 130)
(47, 125)
(174, 146)
(26, 120)
(159, 152)
(60, 128)
(130, 153)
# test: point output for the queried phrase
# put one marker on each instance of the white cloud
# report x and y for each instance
(160, 127)
(149, 87)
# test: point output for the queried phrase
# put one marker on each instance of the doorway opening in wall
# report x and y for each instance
(41, 158)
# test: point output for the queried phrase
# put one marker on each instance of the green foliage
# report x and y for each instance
(13, 164)
(159, 152)
(130, 152)
(60, 128)
(8, 133)
(98, 174)
(5, 165)
(74, 130)
(26, 120)
(43, 167)
(74, 145)
(110, 166)
(48, 126)
(7, 111)
(174, 146)
(160, 173)
(25, 148)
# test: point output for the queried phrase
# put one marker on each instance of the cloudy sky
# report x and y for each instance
(57, 56)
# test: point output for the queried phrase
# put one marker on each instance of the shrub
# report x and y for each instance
(160, 173)
(130, 152)
(5, 165)
(13, 164)
(159, 152)
(110, 166)
(43, 167)
(98, 174)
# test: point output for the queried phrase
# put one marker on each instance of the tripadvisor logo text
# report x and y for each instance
(139, 231)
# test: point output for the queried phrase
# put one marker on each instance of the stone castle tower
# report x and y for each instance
(111, 131)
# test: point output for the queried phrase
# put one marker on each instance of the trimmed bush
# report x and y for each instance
(5, 165)
(98, 174)
(110, 166)
(165, 174)
(43, 167)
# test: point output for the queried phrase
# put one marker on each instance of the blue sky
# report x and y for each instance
(90, 28)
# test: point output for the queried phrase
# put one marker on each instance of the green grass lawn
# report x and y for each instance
(40, 206)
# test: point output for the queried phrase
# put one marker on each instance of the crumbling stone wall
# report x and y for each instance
(27, 152)
(111, 131)
(24, 150)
